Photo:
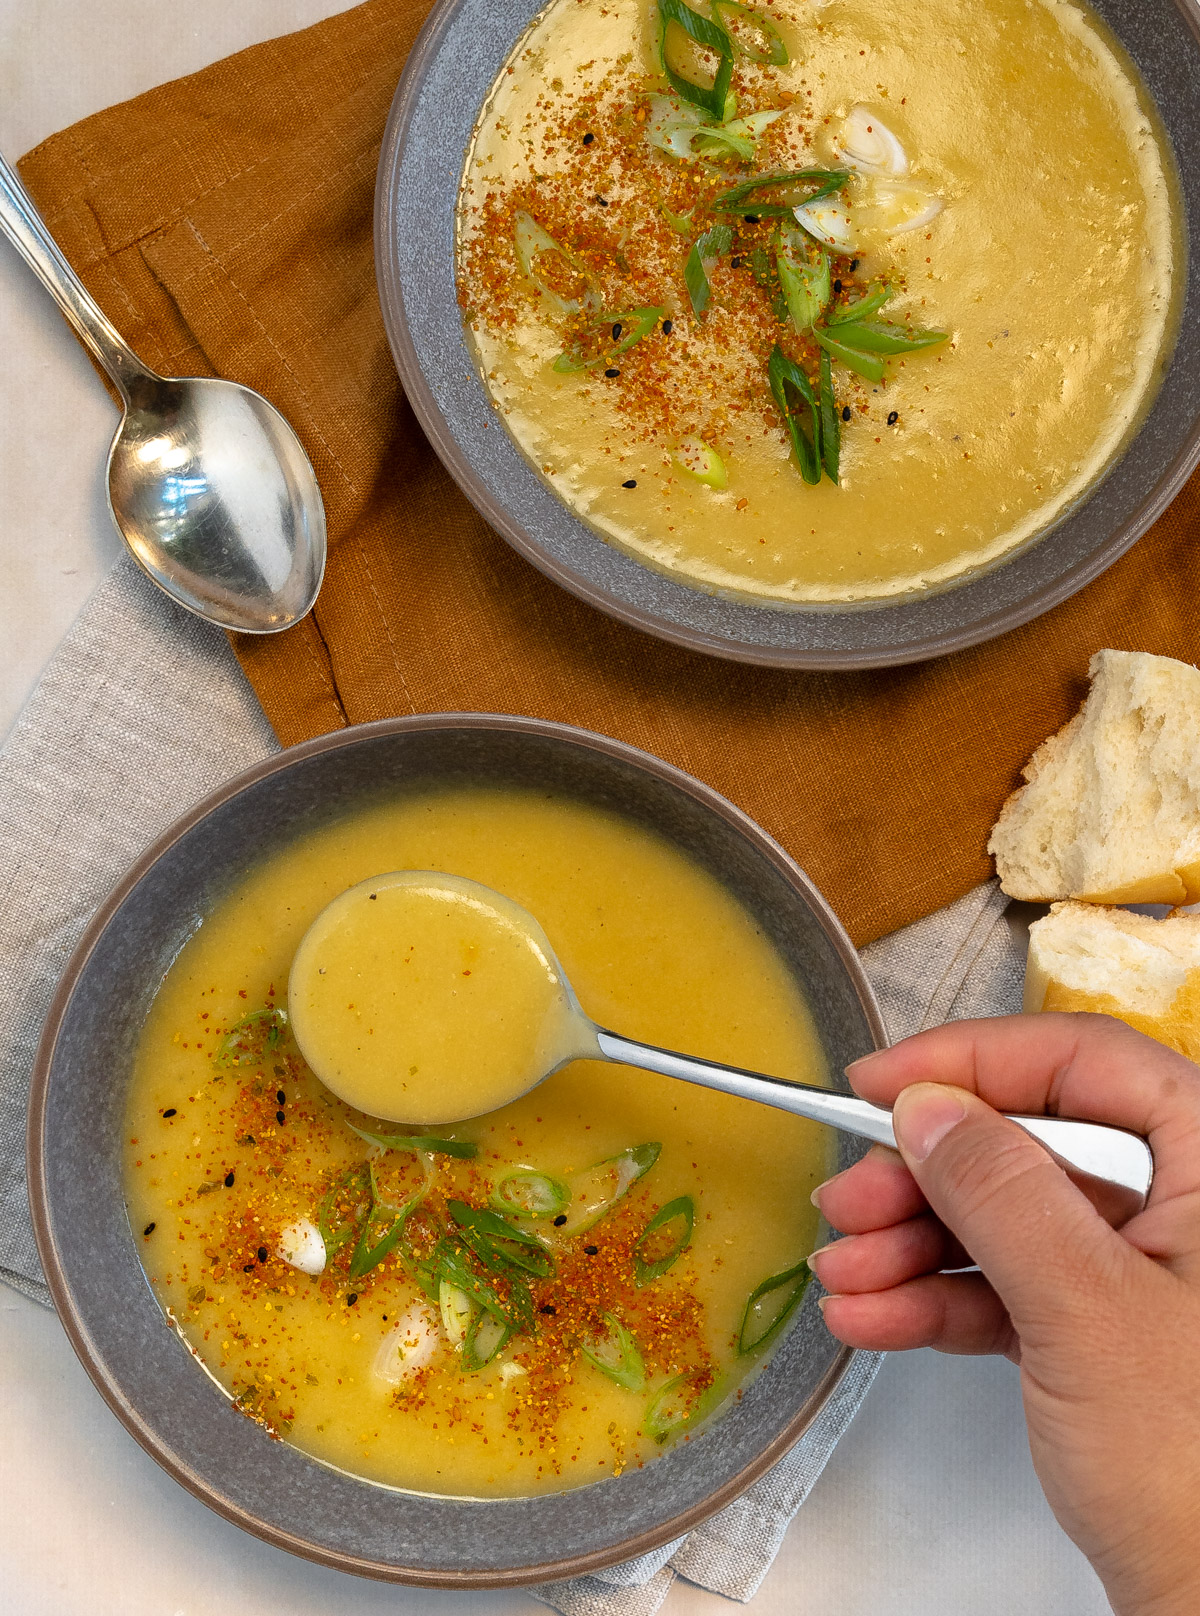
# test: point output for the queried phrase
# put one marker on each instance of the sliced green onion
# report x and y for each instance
(680, 1402)
(710, 36)
(742, 199)
(864, 364)
(457, 1310)
(784, 374)
(770, 1306)
(515, 1307)
(531, 240)
(886, 337)
(369, 1251)
(763, 268)
(634, 324)
(251, 1040)
(705, 252)
(596, 1190)
(681, 223)
(417, 1142)
(868, 304)
(700, 461)
(681, 1210)
(344, 1207)
(530, 1194)
(485, 1336)
(616, 1354)
(806, 286)
(771, 47)
(831, 426)
(499, 1245)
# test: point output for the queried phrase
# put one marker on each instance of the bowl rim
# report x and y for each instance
(37, 1155)
(924, 645)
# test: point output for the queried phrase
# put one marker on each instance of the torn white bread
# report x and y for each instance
(1111, 811)
(1144, 971)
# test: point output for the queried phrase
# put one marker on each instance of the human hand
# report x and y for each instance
(1104, 1324)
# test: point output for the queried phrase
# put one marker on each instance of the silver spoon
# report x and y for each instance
(1114, 1167)
(207, 483)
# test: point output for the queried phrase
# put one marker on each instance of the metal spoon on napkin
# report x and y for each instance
(207, 483)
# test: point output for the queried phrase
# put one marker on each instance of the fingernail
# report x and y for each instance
(823, 1301)
(922, 1117)
(863, 1060)
(821, 1250)
(815, 1197)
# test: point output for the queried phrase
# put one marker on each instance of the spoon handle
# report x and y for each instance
(22, 224)
(1112, 1166)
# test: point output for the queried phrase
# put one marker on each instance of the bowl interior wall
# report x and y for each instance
(141, 1365)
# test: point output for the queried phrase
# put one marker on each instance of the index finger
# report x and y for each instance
(1058, 1064)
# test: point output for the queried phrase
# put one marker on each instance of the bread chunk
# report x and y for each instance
(1111, 811)
(1144, 971)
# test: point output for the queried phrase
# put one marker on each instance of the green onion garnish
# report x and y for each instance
(710, 36)
(868, 304)
(701, 461)
(457, 1310)
(680, 1402)
(485, 1336)
(681, 223)
(786, 377)
(886, 337)
(250, 1041)
(763, 268)
(417, 1142)
(531, 241)
(499, 1246)
(770, 1306)
(681, 1211)
(831, 426)
(705, 251)
(344, 1207)
(616, 1354)
(370, 1251)
(634, 324)
(864, 364)
(743, 199)
(806, 285)
(596, 1190)
(530, 1194)
(515, 1307)
(770, 46)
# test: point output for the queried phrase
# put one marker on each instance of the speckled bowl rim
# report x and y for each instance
(122, 1399)
(446, 77)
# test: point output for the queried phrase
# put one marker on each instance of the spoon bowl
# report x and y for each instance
(207, 483)
(423, 997)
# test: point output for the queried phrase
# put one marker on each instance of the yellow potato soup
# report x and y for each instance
(530, 1301)
(891, 368)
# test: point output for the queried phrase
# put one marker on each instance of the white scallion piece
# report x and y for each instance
(301, 1246)
(829, 223)
(867, 144)
(893, 207)
(511, 1371)
(455, 1307)
(407, 1347)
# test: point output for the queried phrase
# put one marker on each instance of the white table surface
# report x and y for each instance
(928, 1508)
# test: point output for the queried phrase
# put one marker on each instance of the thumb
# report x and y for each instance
(1048, 1254)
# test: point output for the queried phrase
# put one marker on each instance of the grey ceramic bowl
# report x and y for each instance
(451, 69)
(76, 1124)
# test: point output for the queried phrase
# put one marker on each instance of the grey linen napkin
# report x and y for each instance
(141, 712)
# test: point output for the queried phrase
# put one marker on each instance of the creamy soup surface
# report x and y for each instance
(539, 1298)
(1003, 181)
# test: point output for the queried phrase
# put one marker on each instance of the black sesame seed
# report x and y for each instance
(248, 1269)
(169, 1112)
(352, 1298)
(845, 412)
(603, 201)
(262, 1253)
(560, 1220)
(668, 327)
(279, 1117)
(616, 331)
(591, 1250)
(228, 1181)
(547, 1307)
(632, 483)
(735, 263)
(280, 1096)
(752, 218)
(374, 895)
(612, 371)
(837, 286)
(893, 417)
(150, 1228)
(587, 139)
(853, 265)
